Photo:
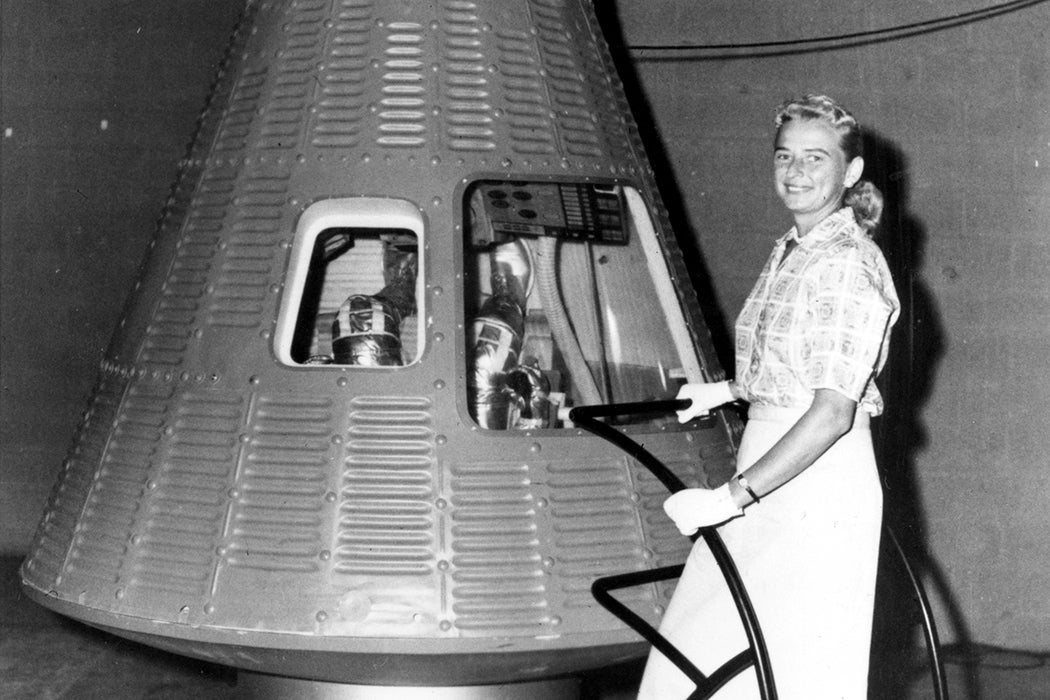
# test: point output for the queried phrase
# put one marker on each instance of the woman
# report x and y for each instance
(811, 337)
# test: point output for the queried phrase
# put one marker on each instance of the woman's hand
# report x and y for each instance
(704, 397)
(692, 509)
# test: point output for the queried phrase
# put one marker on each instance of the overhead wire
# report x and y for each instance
(839, 40)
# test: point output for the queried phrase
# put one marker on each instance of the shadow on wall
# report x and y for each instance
(916, 348)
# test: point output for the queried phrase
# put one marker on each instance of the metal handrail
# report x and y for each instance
(756, 654)
(933, 645)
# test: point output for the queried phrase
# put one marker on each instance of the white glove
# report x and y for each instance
(704, 398)
(692, 509)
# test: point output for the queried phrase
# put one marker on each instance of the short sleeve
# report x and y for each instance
(850, 312)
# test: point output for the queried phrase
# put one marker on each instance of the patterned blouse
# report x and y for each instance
(818, 319)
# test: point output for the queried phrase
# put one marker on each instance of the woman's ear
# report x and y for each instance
(853, 172)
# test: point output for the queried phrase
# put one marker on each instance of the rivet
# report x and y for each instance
(325, 555)
(535, 447)
(439, 384)
(321, 616)
(441, 439)
(445, 625)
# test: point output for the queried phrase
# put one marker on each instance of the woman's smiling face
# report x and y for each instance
(810, 171)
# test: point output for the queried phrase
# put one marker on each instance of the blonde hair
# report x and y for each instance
(864, 198)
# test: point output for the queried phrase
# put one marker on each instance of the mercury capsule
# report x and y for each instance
(329, 440)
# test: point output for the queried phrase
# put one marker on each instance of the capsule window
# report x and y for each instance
(353, 290)
(568, 301)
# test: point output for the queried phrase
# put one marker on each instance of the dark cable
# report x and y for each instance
(872, 35)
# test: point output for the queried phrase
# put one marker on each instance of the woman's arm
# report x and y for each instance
(828, 418)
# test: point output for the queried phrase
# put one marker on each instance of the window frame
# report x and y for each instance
(665, 281)
(376, 213)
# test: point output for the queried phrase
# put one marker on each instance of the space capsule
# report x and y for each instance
(329, 439)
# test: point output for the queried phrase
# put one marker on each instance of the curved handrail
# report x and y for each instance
(756, 654)
(933, 645)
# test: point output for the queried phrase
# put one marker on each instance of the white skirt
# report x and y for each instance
(808, 555)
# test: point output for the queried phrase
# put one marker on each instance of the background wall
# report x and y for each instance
(960, 122)
(100, 100)
(99, 103)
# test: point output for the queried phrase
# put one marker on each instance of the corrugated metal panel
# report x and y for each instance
(388, 490)
(468, 113)
(277, 503)
(340, 110)
(185, 497)
(107, 522)
(497, 554)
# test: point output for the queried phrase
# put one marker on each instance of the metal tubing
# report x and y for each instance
(933, 645)
(584, 416)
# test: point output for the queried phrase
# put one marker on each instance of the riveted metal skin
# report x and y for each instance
(316, 521)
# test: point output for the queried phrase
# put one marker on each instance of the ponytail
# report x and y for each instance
(865, 200)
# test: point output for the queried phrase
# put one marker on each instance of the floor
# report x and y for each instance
(48, 657)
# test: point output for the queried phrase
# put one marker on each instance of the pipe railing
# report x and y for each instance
(756, 654)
